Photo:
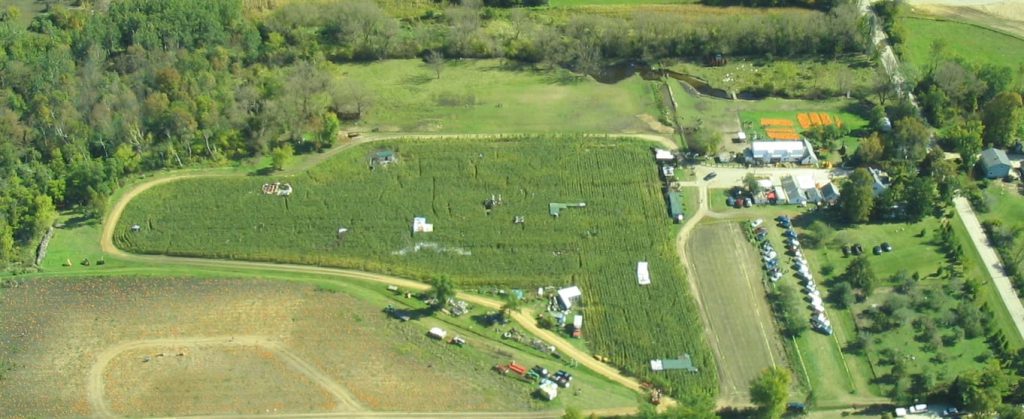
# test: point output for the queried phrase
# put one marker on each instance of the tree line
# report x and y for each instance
(90, 96)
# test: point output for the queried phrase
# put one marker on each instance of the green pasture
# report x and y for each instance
(447, 181)
(970, 42)
(488, 96)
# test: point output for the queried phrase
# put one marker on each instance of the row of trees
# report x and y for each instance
(359, 30)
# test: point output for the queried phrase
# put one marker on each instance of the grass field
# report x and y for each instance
(732, 297)
(482, 96)
(64, 326)
(913, 252)
(797, 78)
(972, 43)
(596, 247)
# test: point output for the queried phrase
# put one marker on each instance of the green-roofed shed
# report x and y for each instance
(684, 362)
(675, 205)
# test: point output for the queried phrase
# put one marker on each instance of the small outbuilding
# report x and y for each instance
(995, 164)
(569, 296)
(684, 362)
(830, 193)
(663, 155)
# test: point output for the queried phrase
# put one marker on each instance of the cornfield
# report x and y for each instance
(448, 181)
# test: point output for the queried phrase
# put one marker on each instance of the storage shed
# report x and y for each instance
(675, 206)
(569, 296)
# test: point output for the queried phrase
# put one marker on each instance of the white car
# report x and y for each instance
(756, 223)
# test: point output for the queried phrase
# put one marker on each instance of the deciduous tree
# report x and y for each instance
(769, 391)
(1002, 119)
(857, 197)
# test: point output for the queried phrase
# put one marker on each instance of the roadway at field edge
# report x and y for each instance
(95, 386)
(525, 318)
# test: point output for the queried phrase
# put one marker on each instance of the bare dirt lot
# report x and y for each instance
(93, 347)
(733, 301)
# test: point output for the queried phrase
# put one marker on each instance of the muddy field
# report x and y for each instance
(143, 347)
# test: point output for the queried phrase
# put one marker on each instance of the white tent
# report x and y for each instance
(643, 276)
(660, 155)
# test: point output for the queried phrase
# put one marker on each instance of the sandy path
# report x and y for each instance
(95, 386)
(524, 318)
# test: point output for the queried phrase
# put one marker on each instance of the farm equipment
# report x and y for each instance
(396, 313)
(511, 367)
(562, 378)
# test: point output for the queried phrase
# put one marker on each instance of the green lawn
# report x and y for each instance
(970, 42)
(913, 252)
(597, 247)
(483, 96)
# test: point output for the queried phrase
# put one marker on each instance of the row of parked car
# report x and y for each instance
(857, 249)
(819, 320)
(770, 256)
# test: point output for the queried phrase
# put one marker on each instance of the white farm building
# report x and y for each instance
(769, 152)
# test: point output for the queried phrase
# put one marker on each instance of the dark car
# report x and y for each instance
(856, 250)
(710, 176)
(846, 250)
(886, 247)
(876, 250)
(790, 233)
(782, 218)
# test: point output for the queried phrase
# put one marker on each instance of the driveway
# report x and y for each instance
(991, 260)
(733, 176)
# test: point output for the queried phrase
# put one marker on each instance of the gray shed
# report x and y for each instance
(995, 164)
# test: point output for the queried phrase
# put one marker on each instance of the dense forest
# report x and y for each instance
(92, 94)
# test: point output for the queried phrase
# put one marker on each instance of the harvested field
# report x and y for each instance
(248, 347)
(733, 302)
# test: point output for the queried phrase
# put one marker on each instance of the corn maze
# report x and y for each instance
(448, 181)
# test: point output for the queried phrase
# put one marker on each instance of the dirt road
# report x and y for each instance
(95, 386)
(525, 318)
(991, 260)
